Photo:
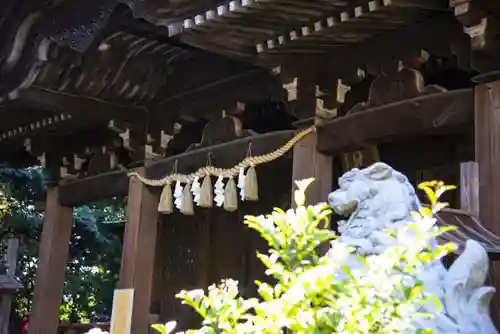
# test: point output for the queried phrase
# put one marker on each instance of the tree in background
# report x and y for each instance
(95, 246)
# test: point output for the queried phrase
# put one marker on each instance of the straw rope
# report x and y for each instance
(225, 173)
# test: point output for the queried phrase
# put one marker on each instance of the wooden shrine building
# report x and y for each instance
(95, 89)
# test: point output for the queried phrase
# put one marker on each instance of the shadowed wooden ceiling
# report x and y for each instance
(153, 67)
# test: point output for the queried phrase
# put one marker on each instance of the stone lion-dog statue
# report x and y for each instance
(378, 199)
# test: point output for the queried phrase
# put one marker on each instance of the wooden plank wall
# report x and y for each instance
(200, 250)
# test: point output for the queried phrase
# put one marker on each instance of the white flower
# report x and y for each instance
(339, 252)
(170, 326)
(196, 294)
(231, 286)
(266, 223)
(96, 331)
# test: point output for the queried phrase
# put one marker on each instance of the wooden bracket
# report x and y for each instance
(481, 24)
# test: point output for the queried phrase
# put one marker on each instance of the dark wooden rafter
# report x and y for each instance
(299, 26)
(350, 25)
(117, 70)
(70, 115)
(163, 13)
(70, 78)
(30, 121)
(141, 141)
(68, 140)
(31, 28)
(79, 83)
(115, 78)
(143, 133)
(372, 54)
(83, 106)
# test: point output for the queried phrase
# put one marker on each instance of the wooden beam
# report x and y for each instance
(138, 259)
(53, 252)
(40, 98)
(222, 155)
(426, 114)
(487, 139)
(89, 189)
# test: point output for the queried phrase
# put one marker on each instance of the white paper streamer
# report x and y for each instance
(241, 183)
(196, 190)
(219, 192)
(178, 195)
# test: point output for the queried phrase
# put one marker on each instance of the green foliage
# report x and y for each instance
(322, 294)
(95, 249)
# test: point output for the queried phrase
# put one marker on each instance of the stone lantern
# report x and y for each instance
(8, 287)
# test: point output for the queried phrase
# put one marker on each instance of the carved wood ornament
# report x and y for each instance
(404, 81)
(481, 23)
(222, 130)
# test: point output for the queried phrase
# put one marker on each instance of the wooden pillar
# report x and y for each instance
(487, 151)
(307, 163)
(138, 259)
(50, 274)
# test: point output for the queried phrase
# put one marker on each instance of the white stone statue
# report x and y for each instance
(379, 198)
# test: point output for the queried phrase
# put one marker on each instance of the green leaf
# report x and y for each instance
(416, 291)
(160, 328)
